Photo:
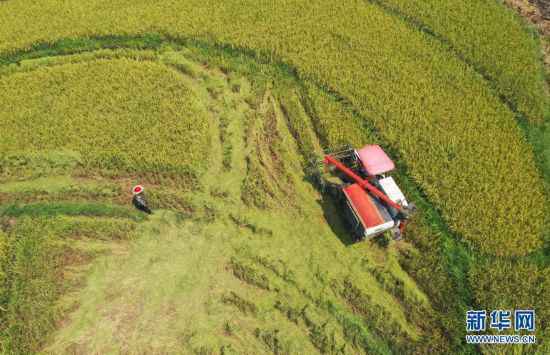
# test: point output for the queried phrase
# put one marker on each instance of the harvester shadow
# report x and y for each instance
(335, 220)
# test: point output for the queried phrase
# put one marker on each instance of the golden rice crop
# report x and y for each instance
(503, 283)
(459, 142)
(491, 39)
(336, 124)
(119, 114)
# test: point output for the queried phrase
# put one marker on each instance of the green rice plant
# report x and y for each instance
(100, 228)
(267, 183)
(35, 164)
(299, 123)
(58, 188)
(337, 125)
(275, 341)
(514, 284)
(355, 331)
(71, 209)
(325, 333)
(270, 136)
(27, 65)
(517, 284)
(388, 329)
(436, 264)
(29, 288)
(444, 122)
(249, 273)
(32, 255)
(244, 305)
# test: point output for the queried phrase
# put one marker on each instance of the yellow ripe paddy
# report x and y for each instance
(119, 114)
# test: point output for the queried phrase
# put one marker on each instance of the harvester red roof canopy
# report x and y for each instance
(374, 160)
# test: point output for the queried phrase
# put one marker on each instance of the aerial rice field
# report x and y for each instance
(446, 109)
(216, 108)
(480, 34)
(107, 94)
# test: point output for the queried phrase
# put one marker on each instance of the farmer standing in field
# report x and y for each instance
(139, 200)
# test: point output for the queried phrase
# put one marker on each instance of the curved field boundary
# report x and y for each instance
(354, 325)
(95, 118)
(534, 128)
(454, 253)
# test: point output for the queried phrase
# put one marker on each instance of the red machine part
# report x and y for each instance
(368, 212)
(137, 189)
(329, 160)
(374, 160)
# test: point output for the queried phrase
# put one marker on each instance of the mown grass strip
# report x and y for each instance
(70, 209)
(356, 332)
(29, 288)
(33, 256)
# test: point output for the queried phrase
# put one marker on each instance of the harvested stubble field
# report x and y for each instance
(216, 108)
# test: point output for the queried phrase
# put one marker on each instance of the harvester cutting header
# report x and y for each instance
(372, 202)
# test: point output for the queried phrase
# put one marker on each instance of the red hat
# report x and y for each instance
(137, 189)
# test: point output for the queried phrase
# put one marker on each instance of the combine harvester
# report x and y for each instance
(371, 202)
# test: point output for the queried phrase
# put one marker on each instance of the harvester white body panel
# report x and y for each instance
(374, 231)
(393, 191)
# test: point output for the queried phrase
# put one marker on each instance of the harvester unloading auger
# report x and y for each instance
(371, 202)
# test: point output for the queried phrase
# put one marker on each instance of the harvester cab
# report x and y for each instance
(372, 203)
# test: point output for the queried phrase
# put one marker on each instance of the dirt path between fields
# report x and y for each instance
(536, 12)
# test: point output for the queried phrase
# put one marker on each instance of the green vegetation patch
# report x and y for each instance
(29, 287)
(70, 209)
(36, 253)
(61, 184)
(35, 164)
(283, 278)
